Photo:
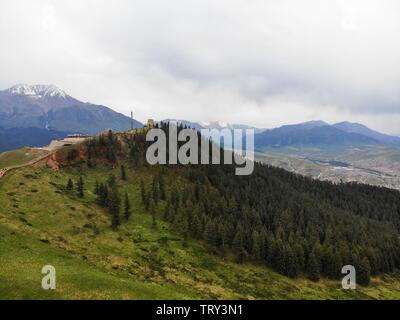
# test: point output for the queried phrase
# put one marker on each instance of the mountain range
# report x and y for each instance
(52, 113)
(316, 132)
(212, 125)
(365, 131)
(321, 133)
(33, 115)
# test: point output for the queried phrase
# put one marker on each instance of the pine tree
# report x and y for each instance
(155, 189)
(80, 187)
(123, 173)
(148, 201)
(152, 208)
(162, 186)
(195, 225)
(110, 137)
(97, 188)
(142, 191)
(280, 259)
(256, 245)
(299, 253)
(238, 245)
(111, 181)
(181, 223)
(292, 264)
(114, 208)
(223, 237)
(313, 268)
(174, 198)
(210, 234)
(127, 207)
(167, 212)
(70, 184)
(102, 198)
(363, 272)
(335, 266)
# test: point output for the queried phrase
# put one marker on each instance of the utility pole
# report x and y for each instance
(131, 120)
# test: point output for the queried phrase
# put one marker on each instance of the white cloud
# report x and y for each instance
(259, 62)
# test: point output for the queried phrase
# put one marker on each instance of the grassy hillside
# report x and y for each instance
(42, 223)
(20, 156)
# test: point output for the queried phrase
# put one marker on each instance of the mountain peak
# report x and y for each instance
(307, 125)
(38, 90)
(315, 123)
(352, 127)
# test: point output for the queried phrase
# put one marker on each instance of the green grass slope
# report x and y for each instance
(20, 156)
(41, 223)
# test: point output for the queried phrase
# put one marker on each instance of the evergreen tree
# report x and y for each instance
(174, 198)
(114, 208)
(123, 173)
(110, 137)
(238, 245)
(127, 207)
(102, 198)
(80, 187)
(111, 181)
(280, 258)
(299, 253)
(313, 268)
(181, 224)
(70, 184)
(196, 229)
(142, 191)
(210, 234)
(97, 188)
(152, 208)
(155, 189)
(167, 216)
(256, 245)
(293, 268)
(162, 186)
(148, 201)
(363, 272)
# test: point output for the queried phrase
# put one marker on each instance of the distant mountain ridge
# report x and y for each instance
(310, 133)
(365, 131)
(34, 115)
(48, 107)
(309, 124)
(315, 132)
(213, 125)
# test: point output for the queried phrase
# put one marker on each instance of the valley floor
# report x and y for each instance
(41, 224)
(379, 166)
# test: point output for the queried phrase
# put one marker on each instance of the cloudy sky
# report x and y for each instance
(259, 62)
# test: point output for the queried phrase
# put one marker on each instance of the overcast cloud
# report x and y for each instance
(259, 62)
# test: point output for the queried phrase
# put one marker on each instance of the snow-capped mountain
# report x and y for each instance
(38, 91)
(48, 107)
